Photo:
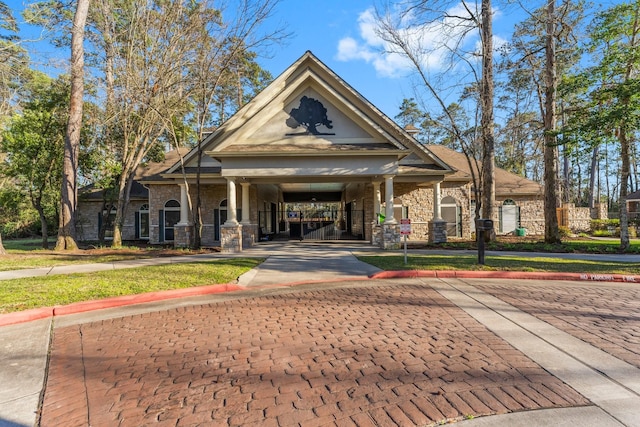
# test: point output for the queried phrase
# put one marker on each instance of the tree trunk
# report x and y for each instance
(67, 235)
(124, 194)
(486, 120)
(43, 225)
(592, 177)
(2, 249)
(551, 232)
(624, 189)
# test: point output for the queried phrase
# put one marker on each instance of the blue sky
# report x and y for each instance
(324, 27)
(339, 33)
(320, 29)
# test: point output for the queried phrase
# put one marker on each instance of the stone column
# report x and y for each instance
(231, 231)
(388, 199)
(249, 230)
(232, 212)
(184, 206)
(246, 213)
(437, 197)
(183, 230)
(376, 200)
(390, 235)
(437, 226)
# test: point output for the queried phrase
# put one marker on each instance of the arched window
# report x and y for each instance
(451, 213)
(509, 216)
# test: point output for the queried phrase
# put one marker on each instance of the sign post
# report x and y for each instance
(405, 230)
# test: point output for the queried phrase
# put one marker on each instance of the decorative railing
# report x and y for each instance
(328, 232)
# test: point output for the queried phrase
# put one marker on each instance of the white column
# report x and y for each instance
(246, 217)
(376, 200)
(184, 206)
(388, 200)
(232, 213)
(437, 197)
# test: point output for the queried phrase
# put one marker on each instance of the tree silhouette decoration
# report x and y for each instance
(310, 113)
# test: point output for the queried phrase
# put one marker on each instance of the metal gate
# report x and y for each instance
(312, 225)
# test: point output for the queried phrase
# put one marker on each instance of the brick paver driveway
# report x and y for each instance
(371, 353)
(606, 316)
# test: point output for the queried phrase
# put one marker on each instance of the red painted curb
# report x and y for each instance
(403, 274)
(81, 307)
(522, 275)
(25, 316)
(84, 306)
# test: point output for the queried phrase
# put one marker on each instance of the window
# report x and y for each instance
(509, 216)
(171, 218)
(109, 222)
(452, 214)
(143, 223)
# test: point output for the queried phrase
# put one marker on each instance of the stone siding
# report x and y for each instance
(419, 201)
(231, 238)
(579, 218)
(531, 214)
(438, 231)
(390, 236)
(600, 211)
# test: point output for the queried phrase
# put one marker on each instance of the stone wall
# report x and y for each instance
(419, 201)
(231, 238)
(579, 218)
(390, 236)
(531, 214)
(600, 211)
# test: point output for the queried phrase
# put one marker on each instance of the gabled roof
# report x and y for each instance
(265, 126)
(633, 197)
(153, 170)
(507, 183)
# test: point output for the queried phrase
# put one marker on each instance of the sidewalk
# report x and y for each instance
(611, 384)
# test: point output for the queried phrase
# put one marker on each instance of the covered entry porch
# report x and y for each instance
(312, 211)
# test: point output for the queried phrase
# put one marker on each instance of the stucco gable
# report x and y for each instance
(345, 123)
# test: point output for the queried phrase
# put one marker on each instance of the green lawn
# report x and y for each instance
(532, 244)
(34, 292)
(22, 294)
(27, 253)
(504, 263)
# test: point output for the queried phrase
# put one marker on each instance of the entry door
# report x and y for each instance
(451, 214)
(509, 218)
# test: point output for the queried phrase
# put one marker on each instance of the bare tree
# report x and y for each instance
(158, 56)
(69, 194)
(225, 47)
(399, 34)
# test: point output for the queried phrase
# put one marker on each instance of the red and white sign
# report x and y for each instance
(405, 226)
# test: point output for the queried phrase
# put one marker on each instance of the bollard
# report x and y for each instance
(482, 226)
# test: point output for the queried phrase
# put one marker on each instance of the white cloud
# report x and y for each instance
(431, 42)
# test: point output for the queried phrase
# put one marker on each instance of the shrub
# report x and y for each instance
(609, 226)
(564, 232)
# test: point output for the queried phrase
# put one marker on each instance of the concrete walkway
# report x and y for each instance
(609, 382)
